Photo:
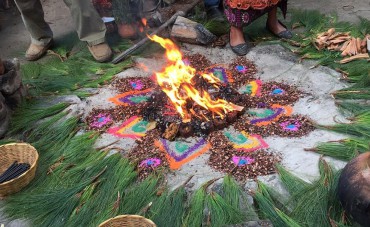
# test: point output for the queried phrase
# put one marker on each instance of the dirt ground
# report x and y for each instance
(14, 39)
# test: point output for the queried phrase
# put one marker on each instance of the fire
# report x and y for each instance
(176, 81)
(144, 21)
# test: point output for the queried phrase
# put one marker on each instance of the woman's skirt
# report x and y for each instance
(240, 13)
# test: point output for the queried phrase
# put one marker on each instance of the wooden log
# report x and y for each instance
(132, 49)
(171, 132)
(186, 130)
(355, 57)
(188, 31)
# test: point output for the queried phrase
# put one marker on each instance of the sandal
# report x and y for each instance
(287, 34)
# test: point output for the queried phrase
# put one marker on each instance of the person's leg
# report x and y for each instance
(213, 10)
(236, 36)
(237, 19)
(87, 22)
(90, 28)
(273, 22)
(33, 19)
(41, 34)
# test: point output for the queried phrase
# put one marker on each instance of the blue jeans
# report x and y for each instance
(210, 3)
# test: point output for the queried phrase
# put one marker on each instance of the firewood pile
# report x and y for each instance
(350, 47)
(12, 91)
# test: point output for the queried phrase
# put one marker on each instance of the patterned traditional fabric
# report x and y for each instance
(239, 16)
(253, 4)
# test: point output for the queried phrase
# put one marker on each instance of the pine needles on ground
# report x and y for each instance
(217, 27)
(212, 209)
(360, 126)
(291, 182)
(103, 202)
(195, 212)
(49, 208)
(353, 93)
(79, 70)
(266, 206)
(139, 196)
(28, 114)
(221, 213)
(169, 208)
(235, 196)
(345, 149)
(312, 204)
(353, 107)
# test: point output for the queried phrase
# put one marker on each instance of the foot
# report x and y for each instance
(278, 29)
(214, 13)
(237, 42)
(101, 52)
(35, 52)
(236, 36)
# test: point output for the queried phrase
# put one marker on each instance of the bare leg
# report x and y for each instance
(236, 36)
(273, 23)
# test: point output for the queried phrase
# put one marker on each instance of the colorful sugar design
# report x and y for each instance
(137, 85)
(242, 160)
(291, 125)
(241, 68)
(101, 120)
(265, 116)
(133, 128)
(253, 88)
(132, 97)
(150, 162)
(277, 91)
(179, 153)
(244, 142)
(221, 73)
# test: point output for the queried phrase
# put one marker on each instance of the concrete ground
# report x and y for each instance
(274, 64)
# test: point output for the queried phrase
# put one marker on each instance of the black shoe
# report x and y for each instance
(241, 49)
(287, 34)
(214, 13)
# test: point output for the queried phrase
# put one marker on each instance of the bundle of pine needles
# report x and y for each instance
(269, 210)
(345, 149)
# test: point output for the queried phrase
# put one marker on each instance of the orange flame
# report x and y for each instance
(144, 21)
(175, 81)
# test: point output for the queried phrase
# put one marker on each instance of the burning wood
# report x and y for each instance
(171, 132)
(188, 102)
(179, 82)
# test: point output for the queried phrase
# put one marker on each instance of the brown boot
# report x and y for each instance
(35, 52)
(101, 52)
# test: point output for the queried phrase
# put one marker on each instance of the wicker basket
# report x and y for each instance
(128, 221)
(23, 153)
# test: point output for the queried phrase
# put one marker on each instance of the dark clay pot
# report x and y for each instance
(354, 189)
